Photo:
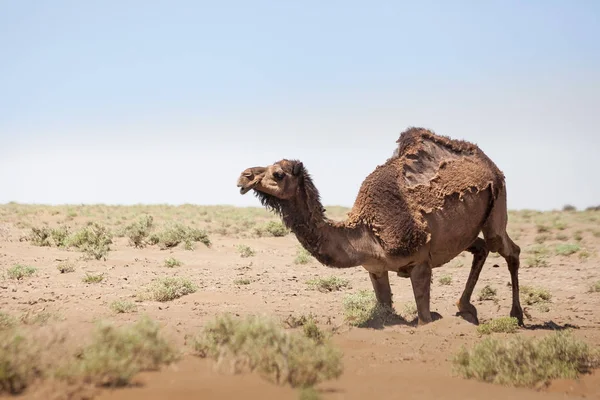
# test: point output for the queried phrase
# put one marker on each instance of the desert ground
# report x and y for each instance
(55, 291)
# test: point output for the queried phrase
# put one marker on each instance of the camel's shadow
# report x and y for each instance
(391, 318)
(550, 326)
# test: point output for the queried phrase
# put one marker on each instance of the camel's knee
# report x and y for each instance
(478, 247)
(494, 244)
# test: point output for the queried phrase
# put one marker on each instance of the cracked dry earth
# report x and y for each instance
(391, 362)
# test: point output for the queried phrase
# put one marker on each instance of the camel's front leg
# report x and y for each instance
(381, 286)
(420, 279)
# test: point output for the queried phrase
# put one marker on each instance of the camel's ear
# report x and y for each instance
(297, 169)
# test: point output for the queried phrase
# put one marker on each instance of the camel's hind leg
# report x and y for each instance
(480, 252)
(381, 286)
(497, 240)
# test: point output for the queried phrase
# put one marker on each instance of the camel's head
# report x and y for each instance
(249, 178)
(279, 180)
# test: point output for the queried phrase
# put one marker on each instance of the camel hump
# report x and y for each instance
(450, 165)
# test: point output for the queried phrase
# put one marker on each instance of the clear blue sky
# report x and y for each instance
(168, 101)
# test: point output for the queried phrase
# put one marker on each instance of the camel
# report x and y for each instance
(420, 209)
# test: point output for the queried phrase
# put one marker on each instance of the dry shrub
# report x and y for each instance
(94, 240)
(361, 309)
(167, 289)
(526, 362)
(116, 354)
(499, 325)
(259, 344)
(18, 362)
(330, 284)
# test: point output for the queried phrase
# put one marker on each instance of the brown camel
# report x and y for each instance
(419, 210)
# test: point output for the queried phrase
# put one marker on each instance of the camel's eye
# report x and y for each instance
(278, 175)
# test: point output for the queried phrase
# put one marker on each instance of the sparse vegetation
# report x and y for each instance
(18, 362)
(526, 362)
(40, 236)
(175, 233)
(361, 308)
(445, 280)
(172, 262)
(595, 287)
(65, 267)
(123, 306)
(7, 321)
(302, 256)
(534, 296)
(567, 249)
(488, 293)
(272, 228)
(259, 344)
(536, 261)
(115, 355)
(93, 278)
(409, 311)
(60, 236)
(242, 281)
(94, 240)
(167, 289)
(139, 231)
(329, 284)
(245, 251)
(499, 325)
(20, 272)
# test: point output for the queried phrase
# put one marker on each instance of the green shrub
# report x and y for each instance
(272, 228)
(138, 231)
(19, 272)
(60, 236)
(94, 240)
(361, 308)
(174, 234)
(567, 249)
(445, 280)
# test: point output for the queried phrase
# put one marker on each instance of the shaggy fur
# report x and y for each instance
(426, 170)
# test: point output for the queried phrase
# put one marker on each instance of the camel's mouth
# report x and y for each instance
(245, 188)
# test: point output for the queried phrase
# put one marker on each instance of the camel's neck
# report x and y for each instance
(334, 244)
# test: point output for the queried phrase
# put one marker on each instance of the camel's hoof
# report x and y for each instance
(470, 318)
(468, 312)
(434, 317)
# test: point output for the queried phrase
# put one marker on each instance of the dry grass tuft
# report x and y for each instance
(329, 284)
(499, 325)
(167, 289)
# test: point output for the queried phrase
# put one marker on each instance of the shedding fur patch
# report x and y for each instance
(425, 169)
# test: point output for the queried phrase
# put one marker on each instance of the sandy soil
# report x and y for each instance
(398, 361)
